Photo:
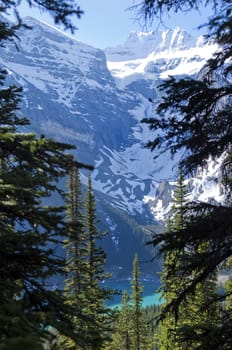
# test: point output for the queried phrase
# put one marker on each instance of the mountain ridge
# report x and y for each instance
(73, 94)
(140, 44)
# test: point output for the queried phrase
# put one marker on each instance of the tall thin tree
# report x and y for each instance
(75, 244)
(76, 255)
(121, 339)
(140, 337)
(94, 306)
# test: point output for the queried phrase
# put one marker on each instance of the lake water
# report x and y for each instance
(150, 295)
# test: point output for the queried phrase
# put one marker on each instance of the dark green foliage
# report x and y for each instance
(121, 339)
(132, 329)
(137, 301)
(165, 334)
(61, 11)
(22, 343)
(212, 226)
(148, 10)
(30, 170)
(75, 244)
(85, 270)
(96, 295)
(140, 336)
(178, 208)
(195, 115)
(197, 315)
(204, 104)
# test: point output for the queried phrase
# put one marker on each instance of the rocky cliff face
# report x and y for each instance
(95, 100)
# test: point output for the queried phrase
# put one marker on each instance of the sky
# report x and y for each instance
(108, 22)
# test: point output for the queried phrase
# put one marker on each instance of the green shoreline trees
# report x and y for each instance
(131, 329)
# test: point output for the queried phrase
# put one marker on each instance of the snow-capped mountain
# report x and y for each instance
(158, 55)
(96, 100)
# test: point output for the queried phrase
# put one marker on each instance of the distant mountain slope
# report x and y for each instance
(96, 100)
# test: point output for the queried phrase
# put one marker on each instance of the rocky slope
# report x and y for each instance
(96, 100)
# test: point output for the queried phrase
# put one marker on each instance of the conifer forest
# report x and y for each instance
(194, 115)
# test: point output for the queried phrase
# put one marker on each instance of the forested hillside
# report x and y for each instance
(192, 122)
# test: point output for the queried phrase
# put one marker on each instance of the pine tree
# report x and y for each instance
(196, 316)
(194, 115)
(140, 337)
(85, 269)
(121, 339)
(76, 255)
(225, 332)
(30, 170)
(131, 329)
(165, 337)
(93, 305)
(74, 245)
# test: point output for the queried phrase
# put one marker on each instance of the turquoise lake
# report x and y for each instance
(150, 295)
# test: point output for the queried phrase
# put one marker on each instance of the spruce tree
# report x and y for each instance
(85, 261)
(74, 245)
(140, 337)
(94, 304)
(194, 115)
(225, 332)
(30, 169)
(76, 255)
(165, 335)
(121, 339)
(197, 315)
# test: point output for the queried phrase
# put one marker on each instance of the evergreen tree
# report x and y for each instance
(165, 337)
(199, 121)
(197, 317)
(121, 339)
(131, 329)
(30, 170)
(76, 255)
(225, 332)
(85, 270)
(93, 305)
(140, 337)
(74, 245)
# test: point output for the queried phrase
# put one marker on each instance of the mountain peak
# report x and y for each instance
(70, 95)
(45, 28)
(140, 44)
